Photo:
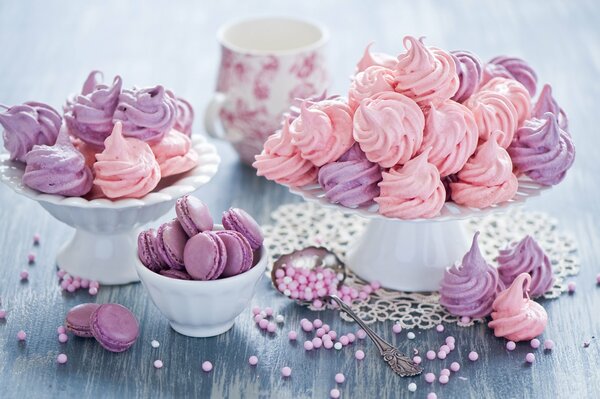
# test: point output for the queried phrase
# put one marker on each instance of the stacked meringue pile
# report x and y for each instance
(115, 142)
(423, 128)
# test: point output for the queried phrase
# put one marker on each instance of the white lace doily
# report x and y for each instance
(297, 226)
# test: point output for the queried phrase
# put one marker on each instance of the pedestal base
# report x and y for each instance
(107, 258)
(407, 256)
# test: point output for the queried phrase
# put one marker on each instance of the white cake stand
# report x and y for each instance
(104, 247)
(411, 255)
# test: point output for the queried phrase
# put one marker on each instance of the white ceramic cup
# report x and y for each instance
(267, 63)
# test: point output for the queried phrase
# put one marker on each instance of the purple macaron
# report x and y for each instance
(114, 327)
(170, 242)
(239, 253)
(205, 256)
(78, 319)
(193, 215)
(176, 274)
(240, 221)
(148, 251)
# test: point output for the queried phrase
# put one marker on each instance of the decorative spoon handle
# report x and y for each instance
(399, 362)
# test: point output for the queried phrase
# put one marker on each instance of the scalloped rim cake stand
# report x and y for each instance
(104, 247)
(411, 255)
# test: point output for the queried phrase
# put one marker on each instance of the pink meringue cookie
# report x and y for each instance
(126, 168)
(389, 128)
(323, 131)
(27, 125)
(281, 161)
(494, 111)
(147, 114)
(425, 74)
(375, 79)
(542, 150)
(469, 289)
(375, 59)
(515, 316)
(58, 169)
(512, 68)
(469, 70)
(89, 115)
(412, 191)
(487, 177)
(526, 256)
(185, 116)
(174, 154)
(547, 103)
(515, 92)
(451, 132)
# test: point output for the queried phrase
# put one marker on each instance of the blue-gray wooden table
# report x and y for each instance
(48, 47)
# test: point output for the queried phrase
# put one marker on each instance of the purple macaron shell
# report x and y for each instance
(170, 240)
(205, 256)
(240, 221)
(193, 215)
(176, 274)
(239, 253)
(78, 319)
(148, 251)
(114, 327)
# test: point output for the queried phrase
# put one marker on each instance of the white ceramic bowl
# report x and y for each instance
(202, 308)
(104, 245)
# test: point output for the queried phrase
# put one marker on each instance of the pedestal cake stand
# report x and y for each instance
(411, 255)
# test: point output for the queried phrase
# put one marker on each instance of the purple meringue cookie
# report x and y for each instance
(185, 116)
(526, 256)
(469, 70)
(147, 114)
(58, 169)
(542, 150)
(29, 124)
(511, 68)
(351, 181)
(547, 103)
(89, 115)
(470, 288)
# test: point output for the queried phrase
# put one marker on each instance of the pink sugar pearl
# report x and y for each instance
(530, 358)
(317, 303)
(473, 356)
(465, 319)
(450, 340)
(417, 359)
(332, 334)
(431, 395)
(571, 286)
(308, 345)
(444, 379)
(598, 278)
(62, 358)
(93, 291)
(320, 332)
(292, 335)
(430, 377)
(317, 342)
(351, 337)
(455, 366)
(439, 328)
(24, 275)
(441, 355)
(269, 311)
(307, 326)
(253, 360)
(2, 314)
(326, 328)
(535, 343)
(21, 335)
(328, 344)
(430, 355)
(263, 324)
(510, 345)
(361, 334)
(445, 348)
(36, 239)
(375, 285)
(397, 328)
(158, 364)
(286, 371)
(334, 393)
(359, 355)
(62, 338)
(340, 378)
(317, 323)
(548, 344)
(31, 257)
(445, 372)
(344, 340)
(207, 366)
(271, 327)
(257, 318)
(256, 309)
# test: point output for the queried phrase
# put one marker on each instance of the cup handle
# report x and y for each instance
(212, 123)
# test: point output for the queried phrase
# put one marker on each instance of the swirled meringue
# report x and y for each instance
(487, 178)
(379, 59)
(547, 103)
(515, 92)
(425, 74)
(27, 125)
(323, 131)
(147, 114)
(126, 168)
(512, 68)
(352, 180)
(89, 115)
(185, 116)
(389, 128)
(58, 169)
(174, 154)
(469, 289)
(542, 150)
(469, 71)
(515, 316)
(412, 191)
(375, 79)
(526, 256)
(451, 132)
(281, 161)
(494, 111)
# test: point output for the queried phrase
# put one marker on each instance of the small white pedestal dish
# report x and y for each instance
(104, 247)
(411, 255)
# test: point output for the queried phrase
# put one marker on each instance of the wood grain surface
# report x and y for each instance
(48, 47)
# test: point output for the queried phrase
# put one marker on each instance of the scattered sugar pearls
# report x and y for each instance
(253, 360)
(286, 371)
(2, 314)
(473, 356)
(158, 364)
(439, 328)
(24, 275)
(571, 286)
(359, 355)
(72, 284)
(411, 335)
(334, 393)
(21, 335)
(535, 343)
(455, 366)
(510, 345)
(154, 343)
(207, 366)
(530, 358)
(397, 328)
(430, 377)
(340, 378)
(62, 338)
(548, 344)
(61, 358)
(412, 387)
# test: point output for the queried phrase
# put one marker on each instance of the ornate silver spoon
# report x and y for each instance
(312, 257)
